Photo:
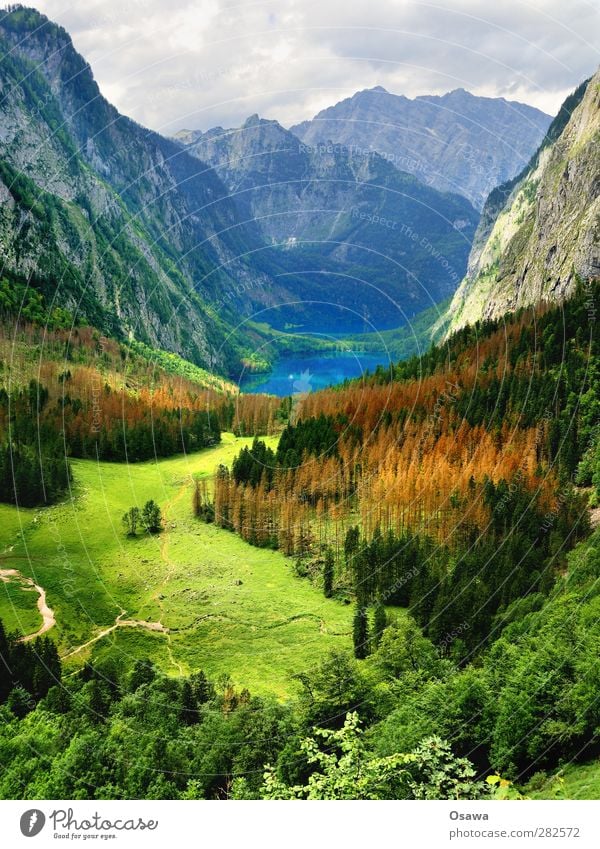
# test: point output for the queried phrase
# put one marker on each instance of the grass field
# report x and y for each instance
(225, 606)
(18, 608)
(576, 781)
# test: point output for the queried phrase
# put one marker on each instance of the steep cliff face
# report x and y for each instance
(455, 143)
(367, 239)
(114, 222)
(540, 234)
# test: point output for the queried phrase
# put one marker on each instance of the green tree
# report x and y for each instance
(20, 702)
(328, 573)
(343, 768)
(189, 707)
(334, 687)
(379, 624)
(351, 543)
(151, 516)
(403, 648)
(131, 520)
(143, 672)
(5, 669)
(360, 632)
(202, 688)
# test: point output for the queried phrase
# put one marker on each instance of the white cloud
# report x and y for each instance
(197, 64)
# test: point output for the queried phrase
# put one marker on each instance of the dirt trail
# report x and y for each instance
(46, 612)
(157, 627)
(164, 539)
(164, 553)
(119, 623)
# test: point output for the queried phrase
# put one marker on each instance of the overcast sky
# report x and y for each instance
(172, 64)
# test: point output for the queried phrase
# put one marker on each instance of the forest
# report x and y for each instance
(495, 728)
(75, 393)
(458, 535)
(500, 425)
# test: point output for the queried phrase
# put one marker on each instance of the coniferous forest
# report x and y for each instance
(471, 626)
(299, 425)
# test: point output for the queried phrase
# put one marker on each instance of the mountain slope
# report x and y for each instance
(348, 230)
(457, 142)
(113, 221)
(539, 234)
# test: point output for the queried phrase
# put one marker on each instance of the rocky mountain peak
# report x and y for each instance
(540, 234)
(456, 142)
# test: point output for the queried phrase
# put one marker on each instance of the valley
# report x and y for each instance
(299, 437)
(193, 596)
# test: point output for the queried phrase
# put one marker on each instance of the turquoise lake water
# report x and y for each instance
(292, 375)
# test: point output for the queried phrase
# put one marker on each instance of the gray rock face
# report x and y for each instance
(455, 143)
(113, 221)
(370, 242)
(541, 233)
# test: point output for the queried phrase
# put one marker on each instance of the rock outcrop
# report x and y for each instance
(541, 233)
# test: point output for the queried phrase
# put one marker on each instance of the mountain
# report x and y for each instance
(108, 219)
(540, 233)
(457, 142)
(348, 230)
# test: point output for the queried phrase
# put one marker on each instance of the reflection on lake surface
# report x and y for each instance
(298, 374)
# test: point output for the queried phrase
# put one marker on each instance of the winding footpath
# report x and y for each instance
(120, 623)
(157, 627)
(29, 585)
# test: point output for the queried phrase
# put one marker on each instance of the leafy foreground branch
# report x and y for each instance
(344, 769)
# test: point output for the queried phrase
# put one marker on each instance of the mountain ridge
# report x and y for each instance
(457, 141)
(113, 221)
(340, 212)
(540, 234)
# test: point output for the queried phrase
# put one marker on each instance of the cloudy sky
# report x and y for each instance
(172, 64)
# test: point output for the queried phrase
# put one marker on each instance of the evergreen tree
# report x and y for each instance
(98, 700)
(360, 633)
(351, 544)
(379, 623)
(328, 573)
(5, 669)
(202, 688)
(20, 702)
(143, 672)
(188, 711)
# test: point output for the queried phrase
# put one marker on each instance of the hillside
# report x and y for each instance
(455, 143)
(204, 654)
(110, 220)
(386, 589)
(76, 393)
(453, 486)
(539, 235)
(350, 231)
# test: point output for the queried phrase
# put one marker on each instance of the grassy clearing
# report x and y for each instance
(229, 608)
(18, 608)
(577, 781)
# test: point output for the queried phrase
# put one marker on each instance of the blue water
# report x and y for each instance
(293, 375)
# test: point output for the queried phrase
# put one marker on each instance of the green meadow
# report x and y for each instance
(191, 597)
(575, 781)
(18, 606)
